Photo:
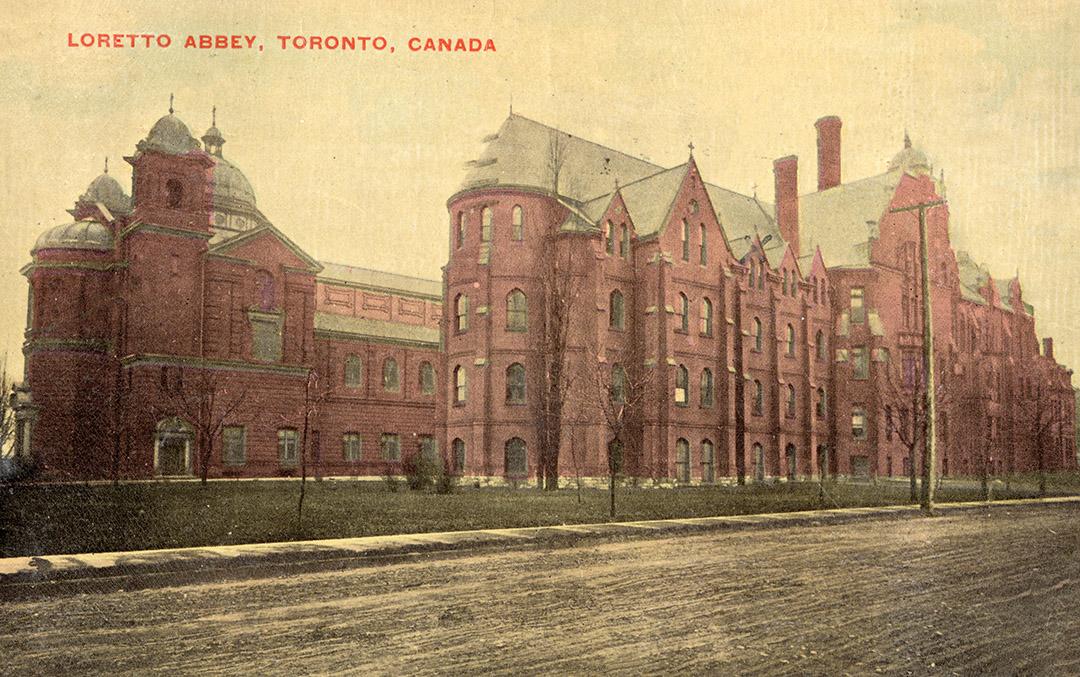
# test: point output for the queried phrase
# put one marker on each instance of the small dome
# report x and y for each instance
(171, 135)
(911, 160)
(89, 235)
(213, 134)
(107, 190)
(232, 190)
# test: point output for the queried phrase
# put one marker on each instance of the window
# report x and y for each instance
(785, 282)
(618, 384)
(429, 449)
(684, 312)
(354, 371)
(286, 444)
(516, 311)
(790, 341)
(609, 245)
(708, 462)
(350, 446)
(232, 443)
(703, 247)
(461, 385)
(790, 401)
(461, 309)
(485, 224)
(888, 423)
(758, 337)
(682, 385)
(265, 336)
(858, 312)
(427, 378)
(706, 388)
(792, 462)
(706, 317)
(174, 193)
(685, 241)
(753, 271)
(858, 423)
(624, 242)
(759, 462)
(390, 447)
(265, 291)
(859, 363)
(461, 230)
(682, 460)
(820, 345)
(517, 220)
(516, 461)
(759, 399)
(458, 449)
(761, 275)
(515, 384)
(615, 310)
(391, 383)
(910, 370)
(821, 403)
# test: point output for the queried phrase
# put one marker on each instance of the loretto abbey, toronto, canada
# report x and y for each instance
(591, 300)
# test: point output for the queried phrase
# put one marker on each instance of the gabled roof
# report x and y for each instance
(337, 273)
(836, 219)
(221, 242)
(648, 201)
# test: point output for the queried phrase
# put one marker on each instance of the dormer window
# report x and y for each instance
(174, 193)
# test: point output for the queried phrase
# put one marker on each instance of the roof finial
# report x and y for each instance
(170, 104)
(511, 104)
(106, 164)
(213, 116)
(691, 147)
(907, 140)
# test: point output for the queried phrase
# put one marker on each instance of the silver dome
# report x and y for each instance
(87, 235)
(170, 135)
(107, 190)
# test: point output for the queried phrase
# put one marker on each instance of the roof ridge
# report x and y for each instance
(838, 186)
(582, 138)
(382, 272)
(637, 181)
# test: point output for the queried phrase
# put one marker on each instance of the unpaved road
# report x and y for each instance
(974, 593)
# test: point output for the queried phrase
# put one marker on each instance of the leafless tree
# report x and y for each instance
(904, 397)
(315, 393)
(205, 398)
(1046, 414)
(7, 412)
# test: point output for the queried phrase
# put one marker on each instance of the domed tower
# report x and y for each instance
(233, 199)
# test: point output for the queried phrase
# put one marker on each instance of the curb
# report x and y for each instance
(165, 565)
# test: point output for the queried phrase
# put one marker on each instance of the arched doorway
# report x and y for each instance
(172, 447)
(792, 462)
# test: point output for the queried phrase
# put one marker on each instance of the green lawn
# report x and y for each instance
(53, 519)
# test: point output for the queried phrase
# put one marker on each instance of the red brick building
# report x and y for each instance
(738, 337)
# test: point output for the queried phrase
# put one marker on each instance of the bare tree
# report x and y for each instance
(7, 411)
(205, 398)
(1046, 413)
(904, 396)
(314, 395)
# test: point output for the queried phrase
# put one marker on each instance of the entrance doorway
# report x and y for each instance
(792, 470)
(172, 448)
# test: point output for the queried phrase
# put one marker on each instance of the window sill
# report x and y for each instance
(680, 330)
(703, 334)
(515, 404)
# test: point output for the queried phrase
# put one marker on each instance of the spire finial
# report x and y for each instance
(907, 140)
(511, 104)
(213, 116)
(170, 104)
(106, 164)
(691, 147)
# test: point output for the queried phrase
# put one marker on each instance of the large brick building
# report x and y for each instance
(745, 338)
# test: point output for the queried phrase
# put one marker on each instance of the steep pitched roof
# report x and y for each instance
(835, 219)
(742, 217)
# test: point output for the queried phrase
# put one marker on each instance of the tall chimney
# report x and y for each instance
(1048, 347)
(828, 152)
(786, 174)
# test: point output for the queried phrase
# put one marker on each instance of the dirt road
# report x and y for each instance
(966, 594)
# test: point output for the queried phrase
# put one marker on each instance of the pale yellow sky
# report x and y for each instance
(353, 154)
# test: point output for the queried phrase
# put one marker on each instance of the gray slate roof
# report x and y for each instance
(377, 279)
(377, 329)
(835, 219)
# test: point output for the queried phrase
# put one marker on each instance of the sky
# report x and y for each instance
(353, 154)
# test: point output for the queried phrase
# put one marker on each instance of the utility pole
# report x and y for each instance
(930, 403)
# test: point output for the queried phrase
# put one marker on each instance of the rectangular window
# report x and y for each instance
(350, 446)
(429, 448)
(685, 241)
(858, 423)
(858, 311)
(860, 364)
(624, 243)
(390, 445)
(265, 337)
(232, 445)
(287, 440)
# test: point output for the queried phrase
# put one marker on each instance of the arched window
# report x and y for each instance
(708, 462)
(461, 310)
(753, 273)
(390, 380)
(682, 460)
(174, 193)
(682, 385)
(758, 337)
(516, 461)
(759, 462)
(624, 242)
(759, 398)
(516, 311)
(461, 230)
(790, 341)
(485, 224)
(354, 371)
(618, 384)
(684, 312)
(706, 317)
(615, 310)
(706, 387)
(457, 448)
(785, 282)
(517, 220)
(819, 343)
(761, 275)
(685, 241)
(461, 385)
(609, 245)
(515, 384)
(790, 401)
(703, 247)
(427, 378)
(821, 404)
(265, 290)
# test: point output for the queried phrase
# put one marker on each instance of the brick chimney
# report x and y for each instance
(786, 173)
(1048, 347)
(828, 152)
